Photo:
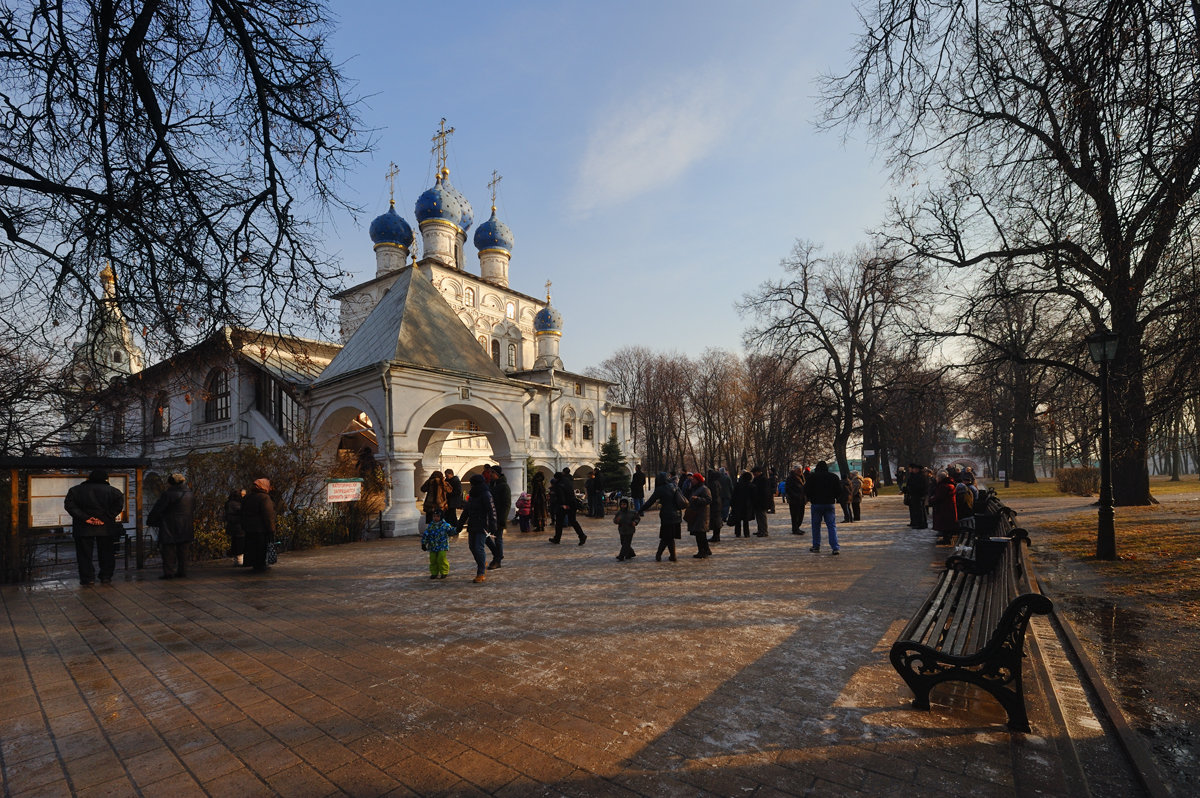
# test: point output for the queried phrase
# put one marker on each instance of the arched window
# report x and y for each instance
(512, 356)
(483, 342)
(469, 297)
(496, 352)
(510, 310)
(118, 426)
(567, 430)
(216, 396)
(160, 417)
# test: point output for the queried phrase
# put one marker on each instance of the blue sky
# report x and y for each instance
(658, 158)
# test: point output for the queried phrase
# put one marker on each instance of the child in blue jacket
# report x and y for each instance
(436, 540)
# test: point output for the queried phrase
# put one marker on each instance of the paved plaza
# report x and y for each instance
(761, 671)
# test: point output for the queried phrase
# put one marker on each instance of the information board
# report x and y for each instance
(47, 492)
(348, 490)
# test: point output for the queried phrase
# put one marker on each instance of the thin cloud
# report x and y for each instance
(650, 140)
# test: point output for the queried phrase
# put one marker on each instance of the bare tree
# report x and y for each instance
(184, 142)
(1068, 139)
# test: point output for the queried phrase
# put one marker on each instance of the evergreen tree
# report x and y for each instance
(613, 473)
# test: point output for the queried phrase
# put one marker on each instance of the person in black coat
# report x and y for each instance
(454, 498)
(719, 500)
(258, 523)
(502, 499)
(95, 507)
(764, 501)
(699, 503)
(637, 488)
(537, 494)
(479, 517)
(595, 495)
(567, 505)
(741, 505)
(671, 502)
(793, 493)
(916, 489)
(233, 526)
(173, 515)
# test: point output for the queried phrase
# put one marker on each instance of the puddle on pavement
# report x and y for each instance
(1118, 631)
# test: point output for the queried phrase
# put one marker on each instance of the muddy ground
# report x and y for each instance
(1139, 617)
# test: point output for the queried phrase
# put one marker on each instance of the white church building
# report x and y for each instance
(438, 367)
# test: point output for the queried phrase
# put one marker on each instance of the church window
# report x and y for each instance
(510, 310)
(118, 426)
(613, 429)
(469, 297)
(483, 342)
(160, 418)
(567, 430)
(587, 432)
(216, 396)
(512, 356)
(117, 356)
(579, 389)
(535, 425)
(496, 352)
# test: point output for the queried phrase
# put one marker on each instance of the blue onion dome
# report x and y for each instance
(493, 234)
(548, 320)
(390, 228)
(440, 203)
(467, 217)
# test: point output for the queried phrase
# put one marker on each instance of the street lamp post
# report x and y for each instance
(1102, 346)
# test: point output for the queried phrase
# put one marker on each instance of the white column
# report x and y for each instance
(402, 516)
(514, 472)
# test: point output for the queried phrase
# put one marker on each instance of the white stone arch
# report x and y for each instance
(485, 413)
(492, 301)
(332, 419)
(525, 315)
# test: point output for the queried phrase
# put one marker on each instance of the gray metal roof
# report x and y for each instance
(413, 325)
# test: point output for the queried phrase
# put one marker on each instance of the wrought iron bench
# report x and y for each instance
(972, 627)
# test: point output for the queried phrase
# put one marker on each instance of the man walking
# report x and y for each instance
(567, 507)
(823, 489)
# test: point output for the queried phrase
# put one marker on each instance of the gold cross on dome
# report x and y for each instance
(439, 144)
(391, 178)
(495, 181)
(548, 292)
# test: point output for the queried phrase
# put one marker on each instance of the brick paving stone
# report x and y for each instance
(761, 671)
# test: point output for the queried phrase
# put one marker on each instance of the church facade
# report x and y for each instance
(438, 367)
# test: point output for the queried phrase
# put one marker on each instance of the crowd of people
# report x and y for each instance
(701, 503)
(97, 507)
(941, 500)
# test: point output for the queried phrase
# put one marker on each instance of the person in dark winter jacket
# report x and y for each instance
(670, 503)
(726, 494)
(95, 507)
(454, 498)
(824, 489)
(696, 515)
(479, 517)
(637, 488)
(567, 505)
(537, 507)
(742, 505)
(844, 500)
(793, 494)
(502, 499)
(764, 501)
(945, 510)
(719, 500)
(916, 488)
(233, 526)
(626, 519)
(173, 515)
(258, 522)
(594, 488)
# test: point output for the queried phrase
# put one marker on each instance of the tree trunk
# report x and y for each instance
(1129, 422)
(1024, 435)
